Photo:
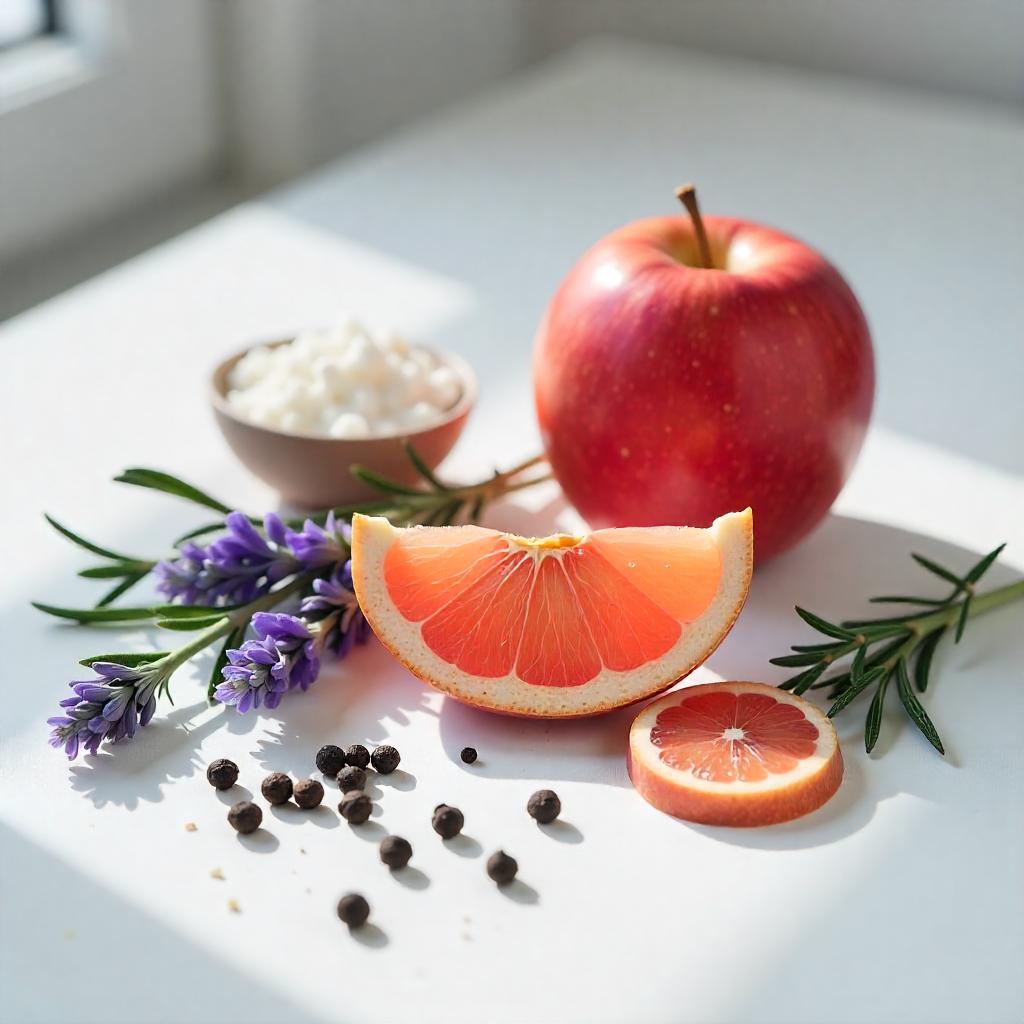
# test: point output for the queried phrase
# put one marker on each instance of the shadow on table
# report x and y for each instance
(358, 700)
(834, 573)
(339, 708)
(50, 946)
(124, 775)
(362, 698)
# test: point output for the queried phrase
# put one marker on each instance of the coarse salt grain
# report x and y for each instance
(342, 382)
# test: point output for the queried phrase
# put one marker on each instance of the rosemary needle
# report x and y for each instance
(897, 648)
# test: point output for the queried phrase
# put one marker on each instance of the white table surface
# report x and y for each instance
(901, 900)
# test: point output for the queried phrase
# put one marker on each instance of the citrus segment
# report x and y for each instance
(422, 573)
(557, 626)
(557, 648)
(677, 567)
(734, 754)
(627, 626)
(479, 629)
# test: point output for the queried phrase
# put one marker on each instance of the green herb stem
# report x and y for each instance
(920, 628)
(993, 599)
(441, 503)
(906, 646)
(237, 618)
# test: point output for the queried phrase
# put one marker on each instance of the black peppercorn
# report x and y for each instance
(395, 851)
(308, 793)
(276, 788)
(222, 773)
(245, 817)
(447, 821)
(385, 759)
(351, 778)
(330, 759)
(468, 755)
(544, 805)
(353, 910)
(355, 807)
(501, 867)
(357, 755)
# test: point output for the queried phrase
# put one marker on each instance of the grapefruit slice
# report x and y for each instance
(552, 627)
(734, 754)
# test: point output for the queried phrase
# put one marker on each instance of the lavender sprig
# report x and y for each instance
(109, 707)
(217, 590)
(244, 563)
(124, 695)
(234, 569)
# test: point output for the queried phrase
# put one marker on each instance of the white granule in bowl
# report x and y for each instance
(343, 381)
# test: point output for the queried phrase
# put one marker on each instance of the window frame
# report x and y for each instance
(50, 26)
(127, 94)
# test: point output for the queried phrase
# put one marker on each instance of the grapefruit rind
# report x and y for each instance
(372, 536)
(775, 799)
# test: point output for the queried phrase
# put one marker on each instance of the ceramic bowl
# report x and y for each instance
(314, 472)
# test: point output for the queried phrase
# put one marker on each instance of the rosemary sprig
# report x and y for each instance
(437, 503)
(897, 648)
(433, 504)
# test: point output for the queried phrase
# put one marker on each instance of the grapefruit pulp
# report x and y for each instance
(734, 754)
(551, 627)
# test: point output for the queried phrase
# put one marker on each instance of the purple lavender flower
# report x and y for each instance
(235, 569)
(111, 707)
(244, 564)
(283, 657)
(180, 577)
(316, 546)
(335, 610)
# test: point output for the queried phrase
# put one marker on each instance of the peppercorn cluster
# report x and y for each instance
(348, 767)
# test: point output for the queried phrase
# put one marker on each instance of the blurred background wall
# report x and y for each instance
(123, 122)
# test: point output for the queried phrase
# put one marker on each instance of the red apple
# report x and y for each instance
(678, 377)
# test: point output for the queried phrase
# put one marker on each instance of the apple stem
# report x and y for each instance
(687, 195)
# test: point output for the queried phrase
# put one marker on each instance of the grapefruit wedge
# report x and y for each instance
(552, 627)
(734, 754)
